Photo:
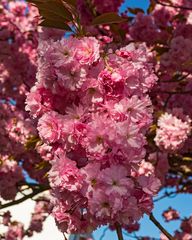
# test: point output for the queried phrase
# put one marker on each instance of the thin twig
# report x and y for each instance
(176, 92)
(171, 194)
(103, 234)
(31, 195)
(163, 230)
(137, 237)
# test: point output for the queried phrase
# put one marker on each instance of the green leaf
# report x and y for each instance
(135, 10)
(55, 6)
(108, 18)
(52, 16)
(55, 13)
(55, 24)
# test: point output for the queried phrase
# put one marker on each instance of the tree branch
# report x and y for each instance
(173, 6)
(163, 230)
(31, 195)
(175, 92)
(170, 194)
(119, 231)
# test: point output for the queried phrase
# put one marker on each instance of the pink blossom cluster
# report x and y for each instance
(147, 28)
(170, 214)
(144, 28)
(161, 25)
(17, 131)
(93, 109)
(38, 216)
(172, 131)
(18, 37)
(180, 49)
(10, 175)
(15, 231)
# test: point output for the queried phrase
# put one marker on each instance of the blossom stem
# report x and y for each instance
(163, 230)
(119, 231)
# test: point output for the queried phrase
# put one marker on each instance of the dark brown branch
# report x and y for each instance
(119, 231)
(31, 195)
(175, 92)
(158, 225)
(173, 6)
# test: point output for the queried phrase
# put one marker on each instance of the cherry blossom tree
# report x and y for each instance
(96, 110)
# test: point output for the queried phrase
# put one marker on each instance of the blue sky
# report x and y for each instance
(136, 3)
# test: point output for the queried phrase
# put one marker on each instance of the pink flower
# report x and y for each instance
(71, 77)
(10, 176)
(62, 52)
(64, 175)
(128, 135)
(115, 180)
(33, 102)
(92, 171)
(87, 50)
(144, 28)
(111, 83)
(150, 184)
(15, 231)
(50, 127)
(146, 168)
(101, 205)
(139, 110)
(172, 132)
(170, 214)
(131, 211)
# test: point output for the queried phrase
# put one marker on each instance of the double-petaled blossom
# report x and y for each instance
(172, 131)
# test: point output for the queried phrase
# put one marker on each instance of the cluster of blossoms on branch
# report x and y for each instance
(172, 131)
(93, 108)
